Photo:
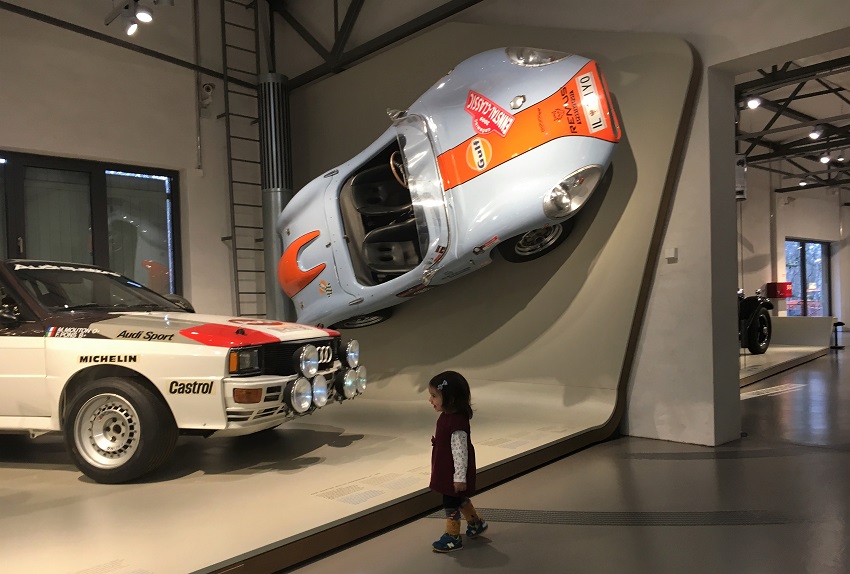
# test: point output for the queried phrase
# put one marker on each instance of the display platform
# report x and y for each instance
(778, 358)
(222, 500)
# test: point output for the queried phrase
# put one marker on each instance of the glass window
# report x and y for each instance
(139, 225)
(57, 208)
(807, 268)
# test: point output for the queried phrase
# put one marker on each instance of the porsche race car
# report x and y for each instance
(499, 154)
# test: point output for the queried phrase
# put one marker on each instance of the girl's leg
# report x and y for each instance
(476, 524)
(450, 541)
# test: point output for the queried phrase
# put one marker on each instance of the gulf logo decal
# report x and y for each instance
(290, 276)
(581, 107)
(478, 154)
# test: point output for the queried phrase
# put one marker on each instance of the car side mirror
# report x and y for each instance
(180, 301)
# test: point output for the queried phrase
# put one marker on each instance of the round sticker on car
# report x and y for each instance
(479, 153)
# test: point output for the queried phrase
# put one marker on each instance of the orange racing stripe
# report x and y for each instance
(581, 107)
(290, 276)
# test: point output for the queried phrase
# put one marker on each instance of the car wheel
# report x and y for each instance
(118, 430)
(366, 320)
(758, 337)
(535, 243)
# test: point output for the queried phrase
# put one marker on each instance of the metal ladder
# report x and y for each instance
(241, 64)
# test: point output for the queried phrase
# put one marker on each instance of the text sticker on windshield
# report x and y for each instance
(487, 116)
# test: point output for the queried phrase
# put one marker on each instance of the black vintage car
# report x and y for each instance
(754, 327)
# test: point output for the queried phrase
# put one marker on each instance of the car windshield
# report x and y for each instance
(69, 287)
(423, 178)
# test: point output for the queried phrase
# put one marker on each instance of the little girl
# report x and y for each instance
(453, 458)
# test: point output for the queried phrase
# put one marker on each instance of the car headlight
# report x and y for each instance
(299, 395)
(244, 361)
(571, 193)
(352, 354)
(532, 57)
(308, 360)
(320, 391)
(361, 379)
(349, 384)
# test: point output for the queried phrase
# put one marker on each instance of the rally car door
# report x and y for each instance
(23, 381)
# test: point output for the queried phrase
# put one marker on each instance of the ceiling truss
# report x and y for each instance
(799, 157)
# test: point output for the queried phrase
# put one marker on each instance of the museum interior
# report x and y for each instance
(619, 424)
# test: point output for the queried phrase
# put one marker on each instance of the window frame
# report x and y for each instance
(15, 168)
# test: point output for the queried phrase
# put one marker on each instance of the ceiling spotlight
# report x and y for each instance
(840, 156)
(824, 158)
(816, 132)
(130, 26)
(802, 184)
(753, 103)
(143, 14)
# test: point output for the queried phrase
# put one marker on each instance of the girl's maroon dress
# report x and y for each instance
(442, 463)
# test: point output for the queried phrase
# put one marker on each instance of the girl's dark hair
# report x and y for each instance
(455, 392)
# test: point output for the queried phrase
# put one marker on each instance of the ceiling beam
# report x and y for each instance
(783, 152)
(279, 7)
(385, 40)
(779, 78)
(347, 26)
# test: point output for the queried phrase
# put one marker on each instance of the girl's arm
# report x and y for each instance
(460, 455)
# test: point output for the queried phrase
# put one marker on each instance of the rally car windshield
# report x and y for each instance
(423, 179)
(68, 287)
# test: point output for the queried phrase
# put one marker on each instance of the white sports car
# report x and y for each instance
(121, 371)
(500, 153)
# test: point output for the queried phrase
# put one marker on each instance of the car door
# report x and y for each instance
(23, 381)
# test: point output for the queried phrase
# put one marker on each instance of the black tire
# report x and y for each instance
(118, 430)
(758, 335)
(366, 320)
(536, 243)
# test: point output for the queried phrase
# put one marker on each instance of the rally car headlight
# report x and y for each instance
(299, 395)
(361, 379)
(571, 192)
(532, 57)
(308, 360)
(352, 354)
(320, 391)
(349, 384)
(244, 361)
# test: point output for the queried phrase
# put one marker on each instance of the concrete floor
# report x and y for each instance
(777, 500)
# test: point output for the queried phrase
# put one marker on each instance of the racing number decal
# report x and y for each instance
(290, 276)
(580, 107)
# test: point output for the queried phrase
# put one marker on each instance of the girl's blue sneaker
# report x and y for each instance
(448, 543)
(473, 529)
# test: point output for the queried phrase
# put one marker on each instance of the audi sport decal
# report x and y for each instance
(487, 116)
(290, 276)
(227, 336)
(581, 107)
(145, 335)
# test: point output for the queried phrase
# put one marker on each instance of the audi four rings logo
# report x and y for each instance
(325, 354)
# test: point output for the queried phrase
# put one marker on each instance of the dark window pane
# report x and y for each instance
(57, 205)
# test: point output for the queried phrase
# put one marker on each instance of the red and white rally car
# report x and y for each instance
(122, 371)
